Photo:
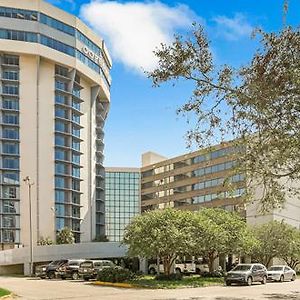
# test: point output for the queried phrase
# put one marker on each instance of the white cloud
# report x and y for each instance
(134, 29)
(233, 28)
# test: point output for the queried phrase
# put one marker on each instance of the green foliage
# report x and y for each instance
(174, 276)
(115, 275)
(65, 236)
(161, 233)
(4, 292)
(257, 105)
(45, 241)
(220, 232)
(277, 239)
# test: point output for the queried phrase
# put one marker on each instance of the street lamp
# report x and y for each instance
(30, 183)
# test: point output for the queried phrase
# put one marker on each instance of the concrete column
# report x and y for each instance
(26, 268)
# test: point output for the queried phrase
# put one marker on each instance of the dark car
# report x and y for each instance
(52, 268)
(70, 269)
(40, 271)
(89, 268)
(247, 274)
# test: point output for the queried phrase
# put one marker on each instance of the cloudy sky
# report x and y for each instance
(143, 118)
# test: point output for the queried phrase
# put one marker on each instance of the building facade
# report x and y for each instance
(122, 193)
(191, 181)
(55, 93)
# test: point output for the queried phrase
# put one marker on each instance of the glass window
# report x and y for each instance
(61, 99)
(76, 92)
(10, 75)
(61, 112)
(56, 45)
(10, 192)
(60, 223)
(76, 172)
(76, 145)
(59, 210)
(60, 196)
(61, 182)
(18, 35)
(10, 133)
(61, 154)
(9, 118)
(61, 168)
(10, 89)
(75, 131)
(76, 105)
(75, 198)
(61, 71)
(9, 221)
(9, 207)
(9, 236)
(57, 24)
(61, 126)
(76, 118)
(10, 177)
(61, 140)
(11, 60)
(76, 158)
(61, 85)
(76, 185)
(10, 148)
(10, 163)
(10, 104)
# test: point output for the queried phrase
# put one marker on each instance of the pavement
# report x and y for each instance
(32, 289)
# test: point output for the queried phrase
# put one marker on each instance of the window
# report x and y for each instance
(76, 105)
(10, 89)
(60, 196)
(75, 198)
(76, 93)
(10, 177)
(56, 45)
(61, 182)
(59, 210)
(11, 60)
(76, 172)
(61, 71)
(9, 221)
(9, 118)
(61, 140)
(76, 185)
(57, 24)
(10, 133)
(61, 168)
(76, 145)
(10, 192)
(86, 41)
(61, 126)
(10, 104)
(9, 207)
(11, 75)
(61, 154)
(18, 35)
(76, 158)
(61, 113)
(76, 131)
(18, 13)
(8, 236)
(60, 223)
(61, 85)
(10, 163)
(61, 99)
(10, 148)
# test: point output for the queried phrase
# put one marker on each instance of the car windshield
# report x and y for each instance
(275, 269)
(86, 265)
(242, 268)
(57, 262)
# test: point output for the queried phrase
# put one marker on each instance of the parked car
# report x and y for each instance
(70, 269)
(187, 267)
(52, 268)
(40, 271)
(89, 268)
(247, 274)
(281, 273)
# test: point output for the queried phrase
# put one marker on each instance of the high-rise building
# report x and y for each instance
(55, 93)
(122, 203)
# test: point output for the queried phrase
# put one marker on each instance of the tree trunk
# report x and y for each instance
(167, 266)
(211, 260)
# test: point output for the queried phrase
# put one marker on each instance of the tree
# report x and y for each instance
(257, 106)
(45, 241)
(220, 232)
(276, 239)
(165, 234)
(65, 236)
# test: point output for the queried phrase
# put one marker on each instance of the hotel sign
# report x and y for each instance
(92, 55)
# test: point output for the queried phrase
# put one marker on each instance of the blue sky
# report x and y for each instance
(143, 118)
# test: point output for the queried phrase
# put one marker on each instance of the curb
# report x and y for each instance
(116, 284)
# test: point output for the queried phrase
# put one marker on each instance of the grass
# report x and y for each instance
(186, 282)
(4, 292)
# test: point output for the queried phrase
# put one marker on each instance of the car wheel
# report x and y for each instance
(228, 283)
(281, 278)
(198, 271)
(152, 271)
(249, 281)
(293, 277)
(51, 275)
(264, 281)
(75, 276)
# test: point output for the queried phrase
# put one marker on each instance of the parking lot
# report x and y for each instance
(31, 288)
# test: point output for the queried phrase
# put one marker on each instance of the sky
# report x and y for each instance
(143, 118)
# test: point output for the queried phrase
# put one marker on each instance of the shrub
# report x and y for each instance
(115, 275)
(174, 276)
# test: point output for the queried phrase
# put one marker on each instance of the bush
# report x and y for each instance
(115, 275)
(174, 276)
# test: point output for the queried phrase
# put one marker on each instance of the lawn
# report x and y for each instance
(4, 292)
(186, 282)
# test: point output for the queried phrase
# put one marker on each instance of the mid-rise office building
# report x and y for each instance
(122, 204)
(55, 93)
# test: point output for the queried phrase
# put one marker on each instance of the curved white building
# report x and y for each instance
(55, 91)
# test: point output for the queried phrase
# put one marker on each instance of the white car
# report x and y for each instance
(281, 273)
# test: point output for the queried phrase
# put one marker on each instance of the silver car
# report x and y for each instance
(281, 273)
(247, 274)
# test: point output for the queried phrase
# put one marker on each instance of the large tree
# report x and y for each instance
(257, 106)
(276, 240)
(165, 234)
(220, 232)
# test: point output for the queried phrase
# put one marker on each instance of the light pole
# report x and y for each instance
(30, 183)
